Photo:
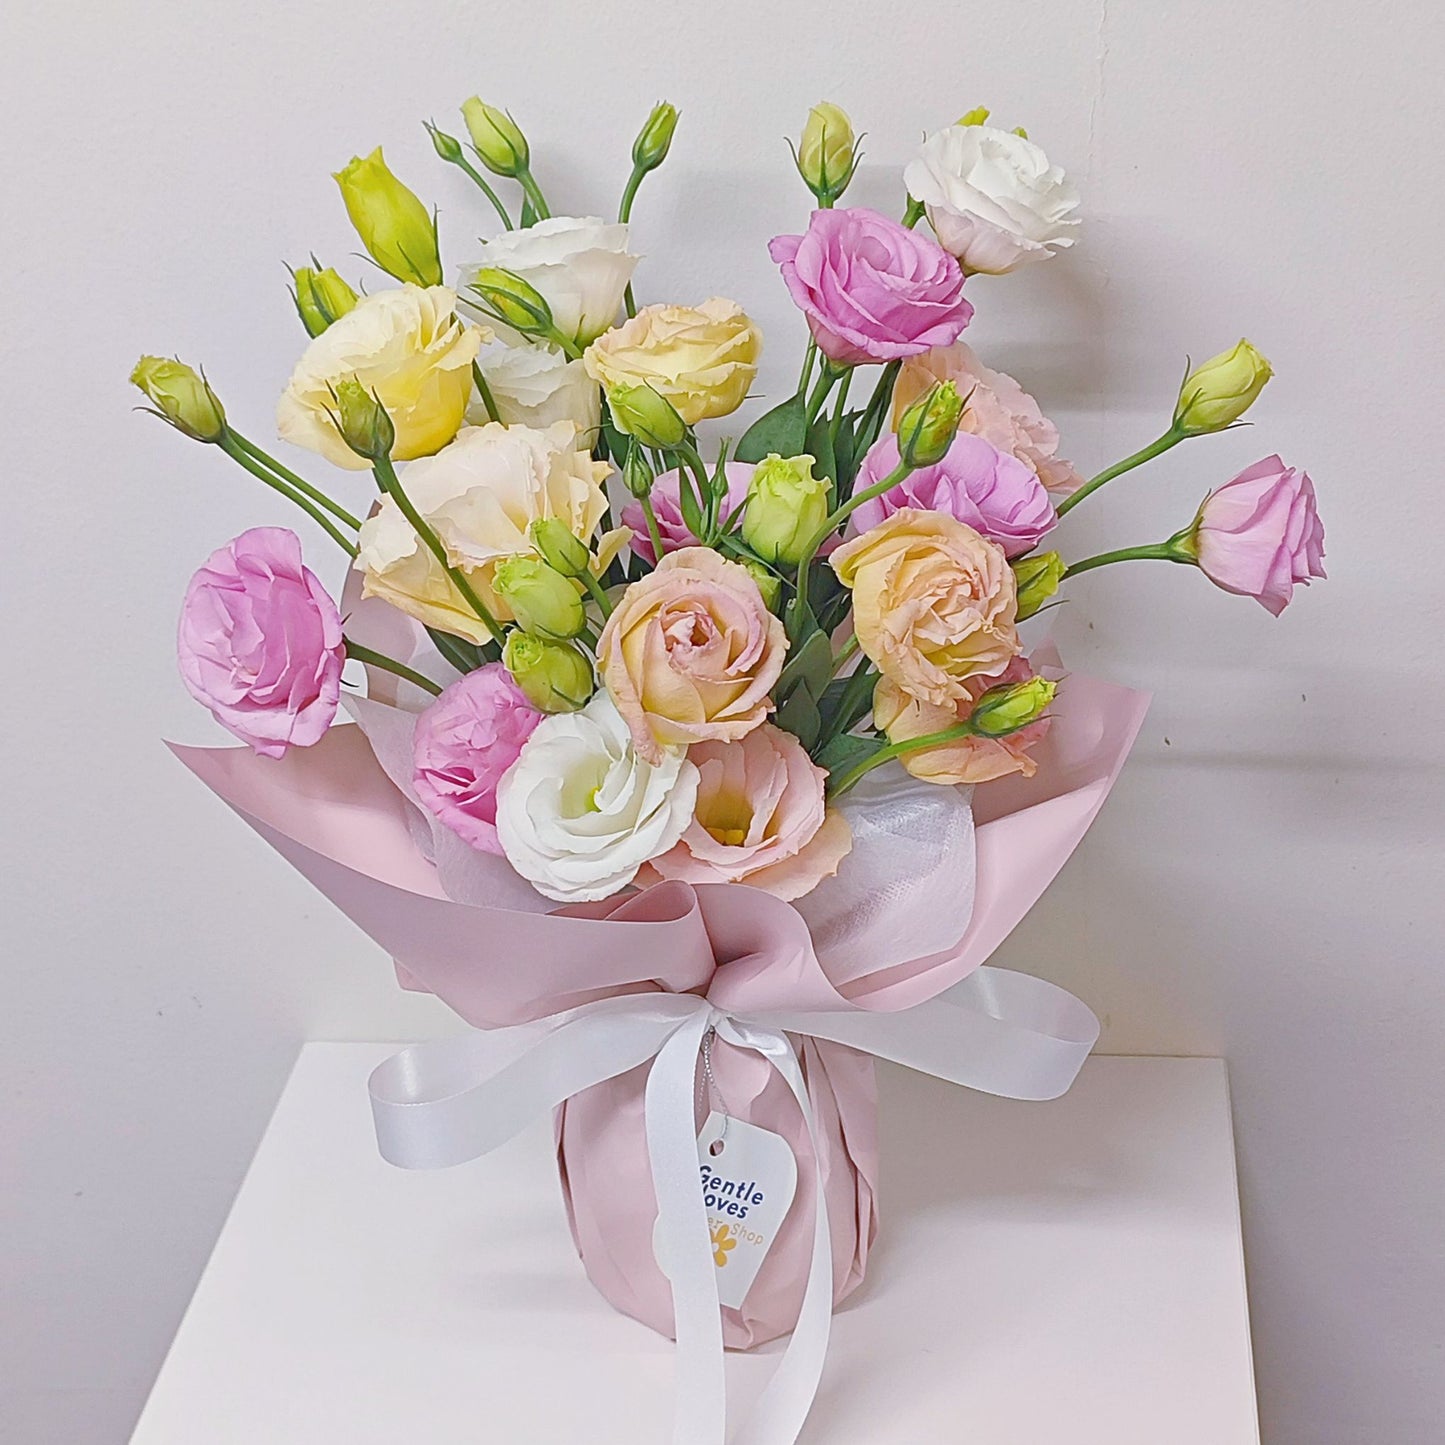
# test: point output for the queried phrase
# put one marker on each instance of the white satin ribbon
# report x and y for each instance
(442, 1103)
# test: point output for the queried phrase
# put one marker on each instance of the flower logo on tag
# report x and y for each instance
(722, 1243)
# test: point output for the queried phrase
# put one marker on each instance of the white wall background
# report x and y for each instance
(1265, 883)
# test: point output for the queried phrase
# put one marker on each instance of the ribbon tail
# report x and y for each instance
(700, 1412)
(445, 1102)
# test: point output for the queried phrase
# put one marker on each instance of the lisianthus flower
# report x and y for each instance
(966, 759)
(667, 508)
(260, 642)
(995, 493)
(691, 652)
(461, 746)
(1260, 534)
(992, 197)
(581, 810)
(699, 359)
(760, 818)
(997, 409)
(534, 384)
(934, 603)
(872, 290)
(405, 346)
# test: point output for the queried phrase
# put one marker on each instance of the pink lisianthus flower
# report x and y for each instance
(999, 410)
(260, 642)
(994, 493)
(872, 290)
(1260, 534)
(463, 744)
(760, 818)
(667, 508)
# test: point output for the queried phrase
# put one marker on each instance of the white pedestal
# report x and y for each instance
(1046, 1272)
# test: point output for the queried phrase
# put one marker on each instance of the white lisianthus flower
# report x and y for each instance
(992, 197)
(405, 345)
(534, 384)
(579, 812)
(580, 265)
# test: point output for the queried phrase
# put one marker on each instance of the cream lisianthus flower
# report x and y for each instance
(534, 384)
(992, 197)
(579, 264)
(410, 349)
(580, 811)
(480, 495)
(701, 359)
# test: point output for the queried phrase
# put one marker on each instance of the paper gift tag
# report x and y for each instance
(748, 1178)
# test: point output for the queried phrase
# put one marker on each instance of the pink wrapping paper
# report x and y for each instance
(330, 811)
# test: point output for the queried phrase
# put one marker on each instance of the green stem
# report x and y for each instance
(390, 483)
(533, 192)
(839, 404)
(629, 194)
(826, 377)
(845, 652)
(483, 185)
(300, 483)
(654, 535)
(232, 449)
(390, 664)
(897, 750)
(599, 596)
(1170, 551)
(485, 392)
(1145, 454)
(809, 357)
(913, 213)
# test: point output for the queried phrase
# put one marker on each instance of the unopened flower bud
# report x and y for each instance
(653, 141)
(1004, 710)
(769, 583)
(1216, 394)
(786, 507)
(512, 300)
(977, 116)
(362, 420)
(826, 152)
(394, 226)
(542, 600)
(321, 297)
(1037, 578)
(182, 396)
(497, 137)
(448, 147)
(559, 547)
(637, 473)
(927, 428)
(555, 676)
(646, 415)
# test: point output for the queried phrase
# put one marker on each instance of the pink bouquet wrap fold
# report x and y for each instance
(333, 813)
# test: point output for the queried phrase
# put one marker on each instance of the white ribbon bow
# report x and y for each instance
(446, 1102)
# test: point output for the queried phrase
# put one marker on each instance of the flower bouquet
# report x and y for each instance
(693, 774)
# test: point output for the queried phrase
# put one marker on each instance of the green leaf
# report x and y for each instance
(810, 665)
(820, 447)
(843, 753)
(463, 655)
(783, 430)
(800, 716)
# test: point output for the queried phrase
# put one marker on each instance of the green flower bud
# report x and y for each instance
(977, 116)
(826, 152)
(637, 473)
(542, 600)
(927, 428)
(786, 507)
(182, 396)
(321, 297)
(769, 583)
(362, 420)
(560, 548)
(512, 300)
(1216, 394)
(448, 147)
(1038, 578)
(393, 224)
(555, 676)
(1004, 710)
(498, 139)
(653, 141)
(646, 415)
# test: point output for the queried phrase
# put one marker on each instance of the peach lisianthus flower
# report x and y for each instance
(998, 409)
(934, 603)
(964, 760)
(760, 818)
(691, 653)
